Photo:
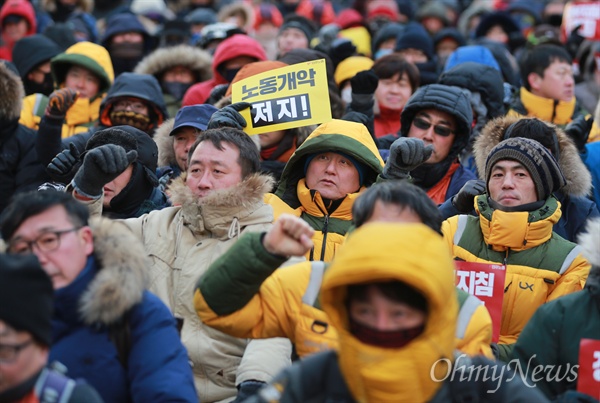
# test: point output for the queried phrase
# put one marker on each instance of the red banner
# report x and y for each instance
(584, 13)
(588, 380)
(486, 282)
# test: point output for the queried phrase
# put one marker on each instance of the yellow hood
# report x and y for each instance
(417, 256)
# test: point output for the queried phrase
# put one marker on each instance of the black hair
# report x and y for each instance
(395, 290)
(538, 59)
(29, 204)
(249, 159)
(535, 129)
(399, 193)
(390, 65)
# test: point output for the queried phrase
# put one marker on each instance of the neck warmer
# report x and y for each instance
(285, 148)
(131, 118)
(427, 175)
(393, 339)
(45, 87)
(130, 199)
(126, 50)
(177, 90)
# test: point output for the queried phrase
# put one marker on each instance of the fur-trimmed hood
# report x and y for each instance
(224, 212)
(235, 9)
(197, 60)
(87, 6)
(579, 180)
(11, 88)
(122, 278)
(164, 142)
(589, 243)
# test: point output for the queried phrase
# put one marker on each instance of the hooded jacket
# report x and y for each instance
(285, 303)
(20, 169)
(294, 197)
(437, 178)
(112, 288)
(163, 59)
(145, 87)
(235, 46)
(84, 113)
(540, 265)
(416, 372)
(22, 8)
(575, 206)
(552, 336)
(182, 242)
(557, 112)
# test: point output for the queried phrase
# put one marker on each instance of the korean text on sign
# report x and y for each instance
(285, 98)
(486, 282)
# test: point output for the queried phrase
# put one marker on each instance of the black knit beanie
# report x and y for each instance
(26, 296)
(541, 165)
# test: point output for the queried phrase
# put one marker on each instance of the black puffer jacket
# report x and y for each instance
(19, 166)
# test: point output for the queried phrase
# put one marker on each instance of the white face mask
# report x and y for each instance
(347, 95)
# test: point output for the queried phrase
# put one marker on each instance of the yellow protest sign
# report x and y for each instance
(284, 98)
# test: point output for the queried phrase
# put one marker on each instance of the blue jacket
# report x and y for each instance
(591, 159)
(157, 368)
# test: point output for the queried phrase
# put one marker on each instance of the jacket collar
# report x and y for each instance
(517, 230)
(550, 110)
(121, 277)
(313, 204)
(222, 213)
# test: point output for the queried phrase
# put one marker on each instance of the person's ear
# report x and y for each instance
(534, 80)
(87, 238)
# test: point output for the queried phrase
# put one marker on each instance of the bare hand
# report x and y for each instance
(289, 236)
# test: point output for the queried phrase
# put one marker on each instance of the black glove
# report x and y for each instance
(247, 389)
(463, 200)
(65, 164)
(60, 101)
(579, 131)
(495, 350)
(405, 155)
(364, 82)
(229, 116)
(574, 41)
(100, 166)
(217, 93)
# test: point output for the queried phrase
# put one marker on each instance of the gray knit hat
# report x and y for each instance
(539, 162)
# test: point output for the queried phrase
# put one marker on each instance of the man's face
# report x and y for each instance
(114, 187)
(393, 92)
(271, 139)
(381, 313)
(413, 55)
(38, 74)
(445, 47)
(511, 184)
(332, 175)
(129, 37)
(18, 364)
(82, 80)
(212, 169)
(557, 82)
(179, 74)
(64, 263)
(183, 140)
(131, 104)
(441, 144)
(15, 30)
(497, 34)
(291, 38)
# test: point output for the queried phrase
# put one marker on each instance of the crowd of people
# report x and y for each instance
(154, 251)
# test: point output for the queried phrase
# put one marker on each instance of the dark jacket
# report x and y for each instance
(143, 86)
(19, 166)
(553, 334)
(110, 289)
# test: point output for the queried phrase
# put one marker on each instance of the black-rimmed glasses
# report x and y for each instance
(46, 242)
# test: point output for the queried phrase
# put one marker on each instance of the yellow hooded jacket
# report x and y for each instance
(540, 265)
(84, 112)
(294, 197)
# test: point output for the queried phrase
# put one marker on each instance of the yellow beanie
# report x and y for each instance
(360, 37)
(350, 66)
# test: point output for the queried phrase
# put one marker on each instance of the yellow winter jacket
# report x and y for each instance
(373, 254)
(547, 109)
(285, 304)
(540, 265)
(85, 112)
(292, 195)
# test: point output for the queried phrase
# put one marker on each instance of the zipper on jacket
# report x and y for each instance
(554, 111)
(325, 230)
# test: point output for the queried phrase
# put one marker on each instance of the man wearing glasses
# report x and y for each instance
(26, 334)
(106, 328)
(441, 116)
